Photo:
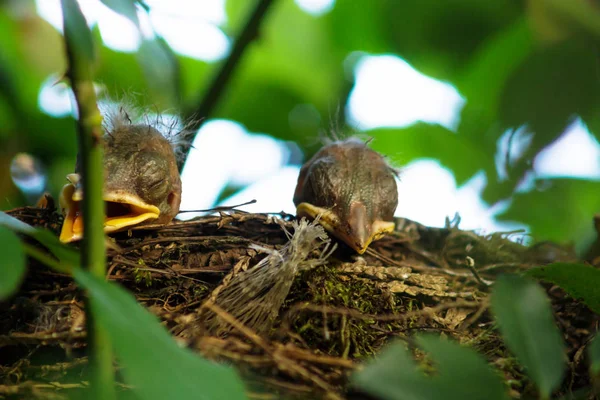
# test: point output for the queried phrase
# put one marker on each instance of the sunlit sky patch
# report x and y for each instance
(224, 153)
(316, 7)
(388, 93)
(55, 97)
(576, 153)
(190, 27)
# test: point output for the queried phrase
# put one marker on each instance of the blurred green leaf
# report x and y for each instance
(555, 19)
(150, 357)
(482, 85)
(547, 91)
(124, 7)
(440, 41)
(367, 33)
(592, 122)
(551, 86)
(270, 81)
(77, 31)
(273, 104)
(193, 75)
(560, 211)
(423, 140)
(580, 281)
(394, 375)
(13, 263)
(524, 316)
(121, 73)
(594, 355)
(65, 254)
(15, 225)
(161, 70)
(133, 331)
(461, 373)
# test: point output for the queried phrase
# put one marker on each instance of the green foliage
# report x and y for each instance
(76, 29)
(152, 361)
(523, 314)
(560, 209)
(594, 354)
(12, 270)
(515, 66)
(124, 7)
(135, 334)
(580, 281)
(65, 255)
(422, 140)
(460, 373)
(161, 70)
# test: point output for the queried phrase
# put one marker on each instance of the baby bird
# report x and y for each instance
(141, 182)
(354, 191)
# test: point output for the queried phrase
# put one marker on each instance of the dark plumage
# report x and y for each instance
(141, 183)
(352, 188)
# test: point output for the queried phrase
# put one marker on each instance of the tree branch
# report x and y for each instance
(220, 81)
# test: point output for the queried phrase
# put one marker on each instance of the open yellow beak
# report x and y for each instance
(332, 224)
(122, 210)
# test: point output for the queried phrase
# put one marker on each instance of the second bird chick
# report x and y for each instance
(354, 191)
(141, 182)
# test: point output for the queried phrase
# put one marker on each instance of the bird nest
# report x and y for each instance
(302, 327)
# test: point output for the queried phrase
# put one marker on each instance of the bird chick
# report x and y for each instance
(141, 182)
(354, 191)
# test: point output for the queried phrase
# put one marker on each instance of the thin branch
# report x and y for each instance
(80, 59)
(216, 88)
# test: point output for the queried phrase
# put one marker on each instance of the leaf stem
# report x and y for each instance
(217, 86)
(80, 57)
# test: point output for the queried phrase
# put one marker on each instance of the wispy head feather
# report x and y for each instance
(124, 112)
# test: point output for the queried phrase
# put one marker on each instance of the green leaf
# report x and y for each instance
(16, 225)
(553, 85)
(161, 70)
(124, 7)
(571, 221)
(269, 81)
(368, 34)
(13, 268)
(482, 85)
(65, 254)
(557, 19)
(77, 31)
(525, 319)
(580, 281)
(461, 374)
(393, 375)
(440, 43)
(151, 359)
(594, 355)
(423, 140)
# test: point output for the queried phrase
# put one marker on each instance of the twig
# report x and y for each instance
(79, 52)
(292, 313)
(220, 81)
(470, 263)
(283, 363)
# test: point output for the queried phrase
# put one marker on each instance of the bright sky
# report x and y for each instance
(385, 84)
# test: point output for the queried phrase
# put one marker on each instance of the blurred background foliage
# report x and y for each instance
(526, 72)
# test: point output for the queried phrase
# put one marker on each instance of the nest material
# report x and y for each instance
(322, 314)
